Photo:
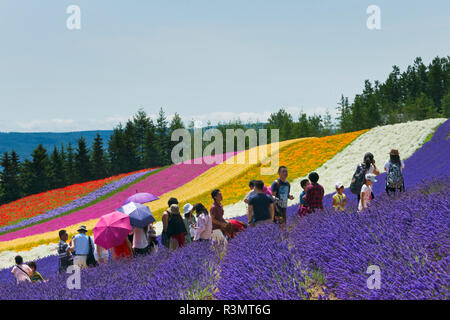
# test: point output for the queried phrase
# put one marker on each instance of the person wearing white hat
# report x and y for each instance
(366, 192)
(339, 198)
(189, 222)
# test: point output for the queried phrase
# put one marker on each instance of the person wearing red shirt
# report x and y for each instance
(314, 193)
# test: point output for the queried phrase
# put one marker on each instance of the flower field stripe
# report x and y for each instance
(160, 182)
(294, 156)
(218, 176)
(46, 232)
(37, 204)
(239, 208)
(80, 203)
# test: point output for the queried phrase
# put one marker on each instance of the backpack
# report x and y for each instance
(394, 178)
(90, 260)
(358, 179)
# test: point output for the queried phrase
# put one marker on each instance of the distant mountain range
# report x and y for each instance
(25, 143)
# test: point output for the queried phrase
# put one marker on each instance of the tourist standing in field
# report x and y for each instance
(219, 224)
(79, 245)
(339, 198)
(314, 193)
(122, 251)
(358, 180)
(281, 189)
(189, 221)
(176, 231)
(21, 271)
(260, 206)
(366, 192)
(140, 241)
(394, 178)
(203, 230)
(165, 240)
(65, 258)
(101, 254)
(35, 276)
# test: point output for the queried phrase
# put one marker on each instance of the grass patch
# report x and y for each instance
(102, 198)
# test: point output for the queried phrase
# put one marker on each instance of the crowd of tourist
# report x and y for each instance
(196, 223)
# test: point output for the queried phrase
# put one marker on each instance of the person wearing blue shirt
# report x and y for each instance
(79, 245)
(304, 183)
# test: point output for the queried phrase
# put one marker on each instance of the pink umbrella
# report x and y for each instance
(112, 229)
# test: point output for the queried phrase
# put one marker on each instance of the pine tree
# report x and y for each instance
(117, 151)
(70, 166)
(99, 164)
(446, 105)
(37, 172)
(131, 147)
(4, 178)
(162, 138)
(435, 82)
(344, 115)
(141, 124)
(82, 162)
(328, 127)
(15, 190)
(175, 124)
(150, 156)
(283, 121)
(57, 174)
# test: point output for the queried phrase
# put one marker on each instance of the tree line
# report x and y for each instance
(419, 93)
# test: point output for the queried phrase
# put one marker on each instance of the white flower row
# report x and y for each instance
(407, 137)
(42, 251)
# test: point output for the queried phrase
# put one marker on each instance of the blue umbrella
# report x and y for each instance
(140, 215)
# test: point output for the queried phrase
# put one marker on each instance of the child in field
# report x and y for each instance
(339, 198)
(304, 184)
(366, 192)
(35, 276)
(302, 210)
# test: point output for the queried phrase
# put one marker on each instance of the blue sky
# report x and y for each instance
(205, 59)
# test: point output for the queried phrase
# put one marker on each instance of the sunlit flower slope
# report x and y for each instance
(334, 158)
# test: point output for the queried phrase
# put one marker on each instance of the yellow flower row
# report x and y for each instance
(216, 177)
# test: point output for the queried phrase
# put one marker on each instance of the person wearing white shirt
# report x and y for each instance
(366, 192)
(203, 230)
(140, 241)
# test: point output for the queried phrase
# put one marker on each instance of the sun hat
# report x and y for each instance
(371, 177)
(339, 185)
(394, 152)
(187, 208)
(82, 228)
